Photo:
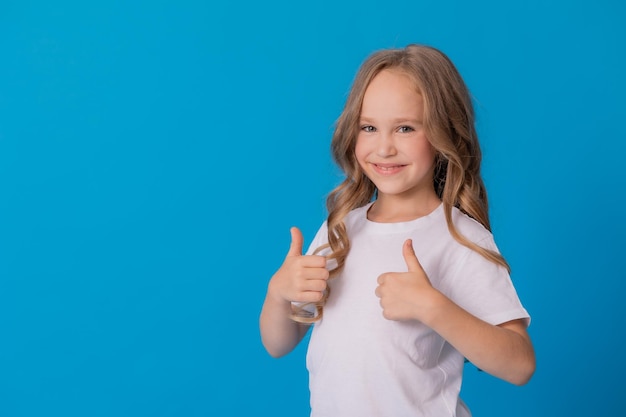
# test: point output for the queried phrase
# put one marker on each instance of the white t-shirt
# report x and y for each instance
(361, 364)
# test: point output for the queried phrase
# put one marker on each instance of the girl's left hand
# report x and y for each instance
(406, 295)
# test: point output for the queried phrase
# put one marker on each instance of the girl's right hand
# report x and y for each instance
(301, 278)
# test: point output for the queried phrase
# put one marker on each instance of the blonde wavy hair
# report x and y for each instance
(449, 126)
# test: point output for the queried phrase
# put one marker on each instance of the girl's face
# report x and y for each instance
(391, 147)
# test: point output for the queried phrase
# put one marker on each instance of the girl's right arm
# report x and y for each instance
(301, 278)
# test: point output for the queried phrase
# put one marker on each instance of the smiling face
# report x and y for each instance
(391, 147)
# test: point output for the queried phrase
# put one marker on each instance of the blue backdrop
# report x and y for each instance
(153, 156)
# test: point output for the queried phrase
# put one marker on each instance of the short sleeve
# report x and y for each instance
(321, 238)
(484, 288)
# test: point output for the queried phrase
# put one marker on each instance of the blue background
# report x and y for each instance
(153, 156)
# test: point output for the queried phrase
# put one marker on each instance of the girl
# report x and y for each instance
(403, 281)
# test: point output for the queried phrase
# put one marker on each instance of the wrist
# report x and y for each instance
(434, 308)
(274, 294)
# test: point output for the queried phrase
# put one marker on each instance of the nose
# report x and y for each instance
(386, 146)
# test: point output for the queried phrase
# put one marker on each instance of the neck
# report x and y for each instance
(394, 209)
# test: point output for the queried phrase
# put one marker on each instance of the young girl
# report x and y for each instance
(403, 282)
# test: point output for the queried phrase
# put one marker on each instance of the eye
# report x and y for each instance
(405, 129)
(368, 128)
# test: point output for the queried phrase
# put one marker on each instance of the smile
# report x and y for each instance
(387, 169)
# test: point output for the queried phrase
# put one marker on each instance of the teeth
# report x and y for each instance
(387, 168)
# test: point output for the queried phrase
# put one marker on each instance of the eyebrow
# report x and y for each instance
(396, 120)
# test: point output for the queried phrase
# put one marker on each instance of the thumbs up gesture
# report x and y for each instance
(405, 295)
(301, 278)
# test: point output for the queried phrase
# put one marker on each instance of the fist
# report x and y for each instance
(301, 278)
(403, 295)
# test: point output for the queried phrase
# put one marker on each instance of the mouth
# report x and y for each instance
(387, 169)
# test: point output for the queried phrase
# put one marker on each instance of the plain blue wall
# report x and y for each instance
(153, 156)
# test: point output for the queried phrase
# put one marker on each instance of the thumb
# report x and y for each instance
(409, 256)
(296, 242)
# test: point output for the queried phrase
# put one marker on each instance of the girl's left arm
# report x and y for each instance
(504, 351)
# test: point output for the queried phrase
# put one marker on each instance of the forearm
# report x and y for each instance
(504, 351)
(301, 278)
(279, 333)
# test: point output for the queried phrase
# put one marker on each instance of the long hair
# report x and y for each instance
(449, 127)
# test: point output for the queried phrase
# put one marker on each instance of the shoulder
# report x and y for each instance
(356, 216)
(470, 228)
(352, 221)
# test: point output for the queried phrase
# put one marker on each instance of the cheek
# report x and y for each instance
(431, 154)
(360, 151)
(424, 151)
